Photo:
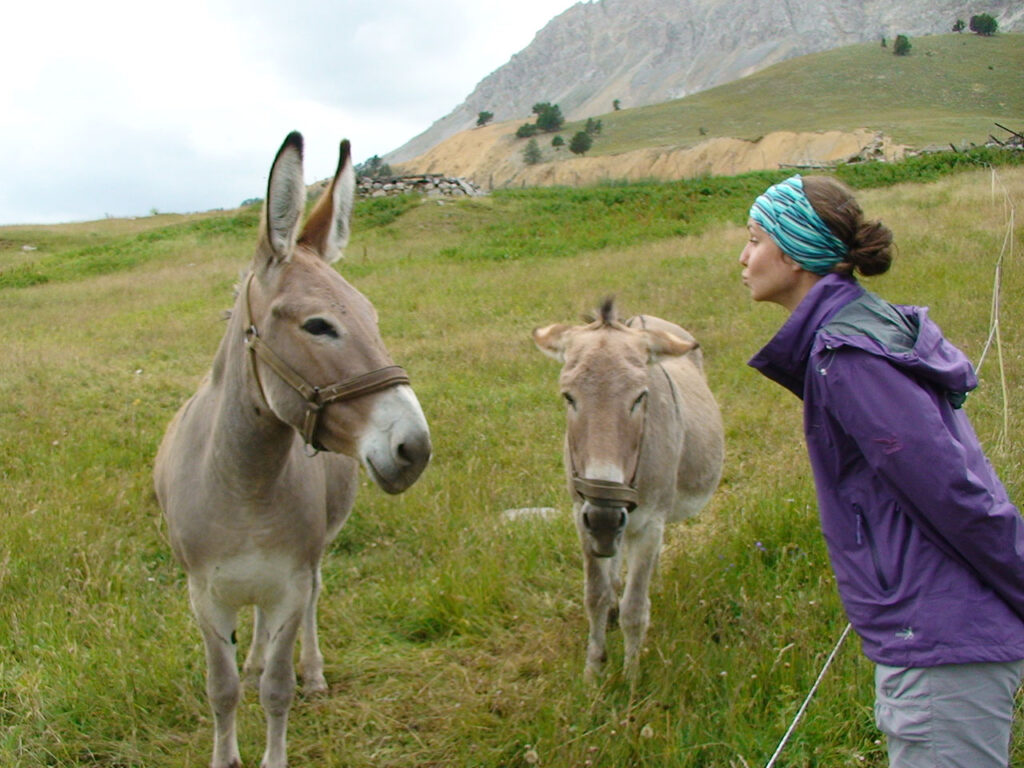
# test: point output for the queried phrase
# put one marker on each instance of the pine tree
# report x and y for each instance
(532, 155)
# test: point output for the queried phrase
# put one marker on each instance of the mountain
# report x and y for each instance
(643, 52)
(851, 103)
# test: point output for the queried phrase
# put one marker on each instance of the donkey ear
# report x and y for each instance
(328, 228)
(286, 198)
(551, 340)
(661, 344)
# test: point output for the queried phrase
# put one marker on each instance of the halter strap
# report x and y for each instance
(316, 397)
(607, 493)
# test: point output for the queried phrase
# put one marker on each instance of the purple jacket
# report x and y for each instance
(927, 549)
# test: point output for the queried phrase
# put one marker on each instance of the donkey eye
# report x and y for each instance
(639, 401)
(319, 327)
(569, 399)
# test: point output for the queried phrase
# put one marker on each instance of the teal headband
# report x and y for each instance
(785, 213)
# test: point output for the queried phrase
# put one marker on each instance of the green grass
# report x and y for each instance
(950, 89)
(451, 637)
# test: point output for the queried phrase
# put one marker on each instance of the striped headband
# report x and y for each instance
(785, 213)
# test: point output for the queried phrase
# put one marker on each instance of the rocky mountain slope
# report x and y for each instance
(647, 51)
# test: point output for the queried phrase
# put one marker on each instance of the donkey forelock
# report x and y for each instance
(606, 316)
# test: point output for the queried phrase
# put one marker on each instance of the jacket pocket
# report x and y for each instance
(866, 538)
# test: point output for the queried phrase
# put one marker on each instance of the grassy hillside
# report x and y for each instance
(951, 88)
(453, 638)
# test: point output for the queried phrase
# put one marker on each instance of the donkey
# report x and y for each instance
(257, 472)
(643, 447)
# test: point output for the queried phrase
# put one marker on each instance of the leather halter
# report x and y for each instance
(316, 397)
(607, 493)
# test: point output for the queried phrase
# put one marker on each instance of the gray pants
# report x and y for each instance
(955, 716)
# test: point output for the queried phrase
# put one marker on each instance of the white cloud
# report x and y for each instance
(119, 107)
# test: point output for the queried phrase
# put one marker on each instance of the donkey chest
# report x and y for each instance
(252, 577)
(239, 537)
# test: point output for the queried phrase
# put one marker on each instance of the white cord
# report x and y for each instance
(814, 688)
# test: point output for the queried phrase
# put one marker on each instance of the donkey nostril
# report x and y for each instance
(402, 452)
(586, 521)
(622, 519)
(411, 449)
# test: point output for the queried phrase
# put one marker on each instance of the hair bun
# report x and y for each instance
(869, 242)
(871, 249)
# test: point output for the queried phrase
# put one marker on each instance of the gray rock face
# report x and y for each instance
(648, 51)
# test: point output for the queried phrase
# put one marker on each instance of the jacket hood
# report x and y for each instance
(839, 313)
(907, 337)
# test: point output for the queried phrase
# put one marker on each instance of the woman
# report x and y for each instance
(927, 549)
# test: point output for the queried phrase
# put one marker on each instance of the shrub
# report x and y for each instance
(374, 167)
(549, 116)
(902, 45)
(526, 130)
(984, 24)
(484, 118)
(581, 143)
(558, 141)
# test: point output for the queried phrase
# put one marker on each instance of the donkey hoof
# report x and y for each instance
(593, 673)
(314, 685)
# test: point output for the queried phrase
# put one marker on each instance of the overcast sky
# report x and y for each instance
(122, 107)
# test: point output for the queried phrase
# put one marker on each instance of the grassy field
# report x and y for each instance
(951, 88)
(453, 638)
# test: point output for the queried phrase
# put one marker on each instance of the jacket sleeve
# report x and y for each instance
(929, 455)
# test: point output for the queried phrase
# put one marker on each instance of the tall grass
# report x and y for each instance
(452, 637)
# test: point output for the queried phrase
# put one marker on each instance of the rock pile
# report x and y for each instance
(428, 184)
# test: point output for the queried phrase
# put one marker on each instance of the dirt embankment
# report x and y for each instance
(492, 157)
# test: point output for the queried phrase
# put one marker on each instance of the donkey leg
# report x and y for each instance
(615, 575)
(642, 552)
(277, 684)
(223, 688)
(311, 661)
(256, 659)
(599, 598)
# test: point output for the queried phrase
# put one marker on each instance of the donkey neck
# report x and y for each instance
(245, 433)
(663, 422)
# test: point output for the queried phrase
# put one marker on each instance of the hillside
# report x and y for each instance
(822, 108)
(644, 52)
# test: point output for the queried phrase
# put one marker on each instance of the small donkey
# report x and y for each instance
(250, 500)
(644, 447)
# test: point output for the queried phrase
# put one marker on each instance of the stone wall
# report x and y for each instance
(428, 184)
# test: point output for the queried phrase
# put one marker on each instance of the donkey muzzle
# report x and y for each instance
(605, 511)
(604, 527)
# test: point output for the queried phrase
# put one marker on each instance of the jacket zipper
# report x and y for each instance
(865, 529)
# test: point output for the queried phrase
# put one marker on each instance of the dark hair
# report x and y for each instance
(870, 242)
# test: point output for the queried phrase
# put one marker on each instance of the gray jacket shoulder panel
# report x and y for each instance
(870, 316)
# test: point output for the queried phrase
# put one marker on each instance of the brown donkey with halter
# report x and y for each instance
(258, 470)
(644, 447)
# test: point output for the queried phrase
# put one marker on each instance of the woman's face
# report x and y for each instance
(768, 272)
